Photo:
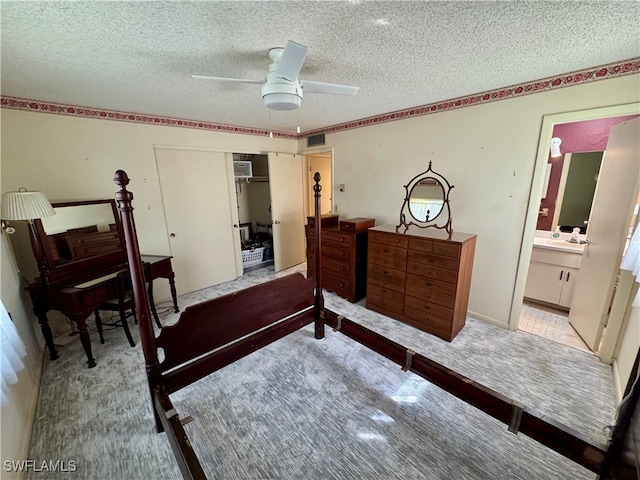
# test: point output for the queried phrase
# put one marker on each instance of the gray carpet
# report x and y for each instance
(330, 409)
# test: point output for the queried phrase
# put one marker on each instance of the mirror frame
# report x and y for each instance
(441, 221)
(51, 272)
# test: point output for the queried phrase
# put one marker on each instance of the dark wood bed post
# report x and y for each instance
(319, 301)
(147, 337)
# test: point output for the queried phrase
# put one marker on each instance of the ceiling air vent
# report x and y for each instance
(314, 140)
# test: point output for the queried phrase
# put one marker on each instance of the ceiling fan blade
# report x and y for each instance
(332, 88)
(291, 61)
(223, 79)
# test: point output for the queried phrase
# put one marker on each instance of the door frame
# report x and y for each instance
(309, 185)
(535, 196)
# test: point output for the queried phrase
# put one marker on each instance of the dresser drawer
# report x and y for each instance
(428, 307)
(386, 255)
(339, 252)
(385, 298)
(383, 292)
(99, 293)
(386, 277)
(421, 244)
(336, 283)
(337, 267)
(393, 239)
(418, 286)
(442, 299)
(337, 238)
(450, 276)
(441, 261)
(446, 248)
(432, 323)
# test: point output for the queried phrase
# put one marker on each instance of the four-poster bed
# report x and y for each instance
(215, 333)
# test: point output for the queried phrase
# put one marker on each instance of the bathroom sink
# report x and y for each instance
(566, 244)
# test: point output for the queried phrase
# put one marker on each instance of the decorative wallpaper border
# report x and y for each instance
(603, 72)
(87, 112)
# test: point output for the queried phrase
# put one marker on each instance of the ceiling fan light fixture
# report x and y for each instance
(281, 96)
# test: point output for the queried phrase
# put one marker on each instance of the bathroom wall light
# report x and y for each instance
(555, 147)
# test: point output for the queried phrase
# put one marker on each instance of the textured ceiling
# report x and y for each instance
(139, 56)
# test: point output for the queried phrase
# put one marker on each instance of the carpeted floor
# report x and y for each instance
(330, 409)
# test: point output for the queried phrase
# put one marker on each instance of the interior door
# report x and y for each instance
(195, 194)
(286, 177)
(321, 163)
(608, 227)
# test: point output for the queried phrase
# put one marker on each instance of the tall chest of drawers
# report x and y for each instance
(421, 277)
(344, 260)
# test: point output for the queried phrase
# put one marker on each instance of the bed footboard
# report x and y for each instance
(212, 324)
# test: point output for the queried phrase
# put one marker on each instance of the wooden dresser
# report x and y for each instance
(421, 277)
(344, 257)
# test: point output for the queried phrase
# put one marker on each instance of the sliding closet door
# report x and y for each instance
(286, 180)
(195, 194)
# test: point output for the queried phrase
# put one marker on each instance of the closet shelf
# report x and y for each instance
(254, 179)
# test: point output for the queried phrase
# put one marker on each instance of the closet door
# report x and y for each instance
(286, 180)
(195, 194)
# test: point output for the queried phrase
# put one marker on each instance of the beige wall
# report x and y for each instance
(487, 151)
(629, 346)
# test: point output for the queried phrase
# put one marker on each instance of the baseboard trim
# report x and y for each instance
(487, 319)
(617, 385)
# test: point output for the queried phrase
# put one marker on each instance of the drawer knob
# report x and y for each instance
(427, 307)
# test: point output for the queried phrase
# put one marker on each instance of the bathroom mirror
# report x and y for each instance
(426, 202)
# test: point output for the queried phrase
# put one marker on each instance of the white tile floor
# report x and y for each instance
(550, 323)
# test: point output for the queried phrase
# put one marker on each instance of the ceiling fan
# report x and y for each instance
(282, 90)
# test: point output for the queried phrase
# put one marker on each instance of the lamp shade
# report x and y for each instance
(25, 205)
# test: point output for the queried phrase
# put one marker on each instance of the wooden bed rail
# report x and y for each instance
(186, 458)
(520, 419)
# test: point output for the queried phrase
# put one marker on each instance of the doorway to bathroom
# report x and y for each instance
(537, 313)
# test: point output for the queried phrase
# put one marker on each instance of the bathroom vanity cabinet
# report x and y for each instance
(552, 276)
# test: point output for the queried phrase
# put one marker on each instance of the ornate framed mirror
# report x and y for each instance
(82, 236)
(426, 202)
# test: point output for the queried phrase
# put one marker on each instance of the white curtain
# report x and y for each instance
(631, 261)
(11, 353)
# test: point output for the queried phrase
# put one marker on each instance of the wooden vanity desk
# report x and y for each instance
(79, 252)
(421, 277)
